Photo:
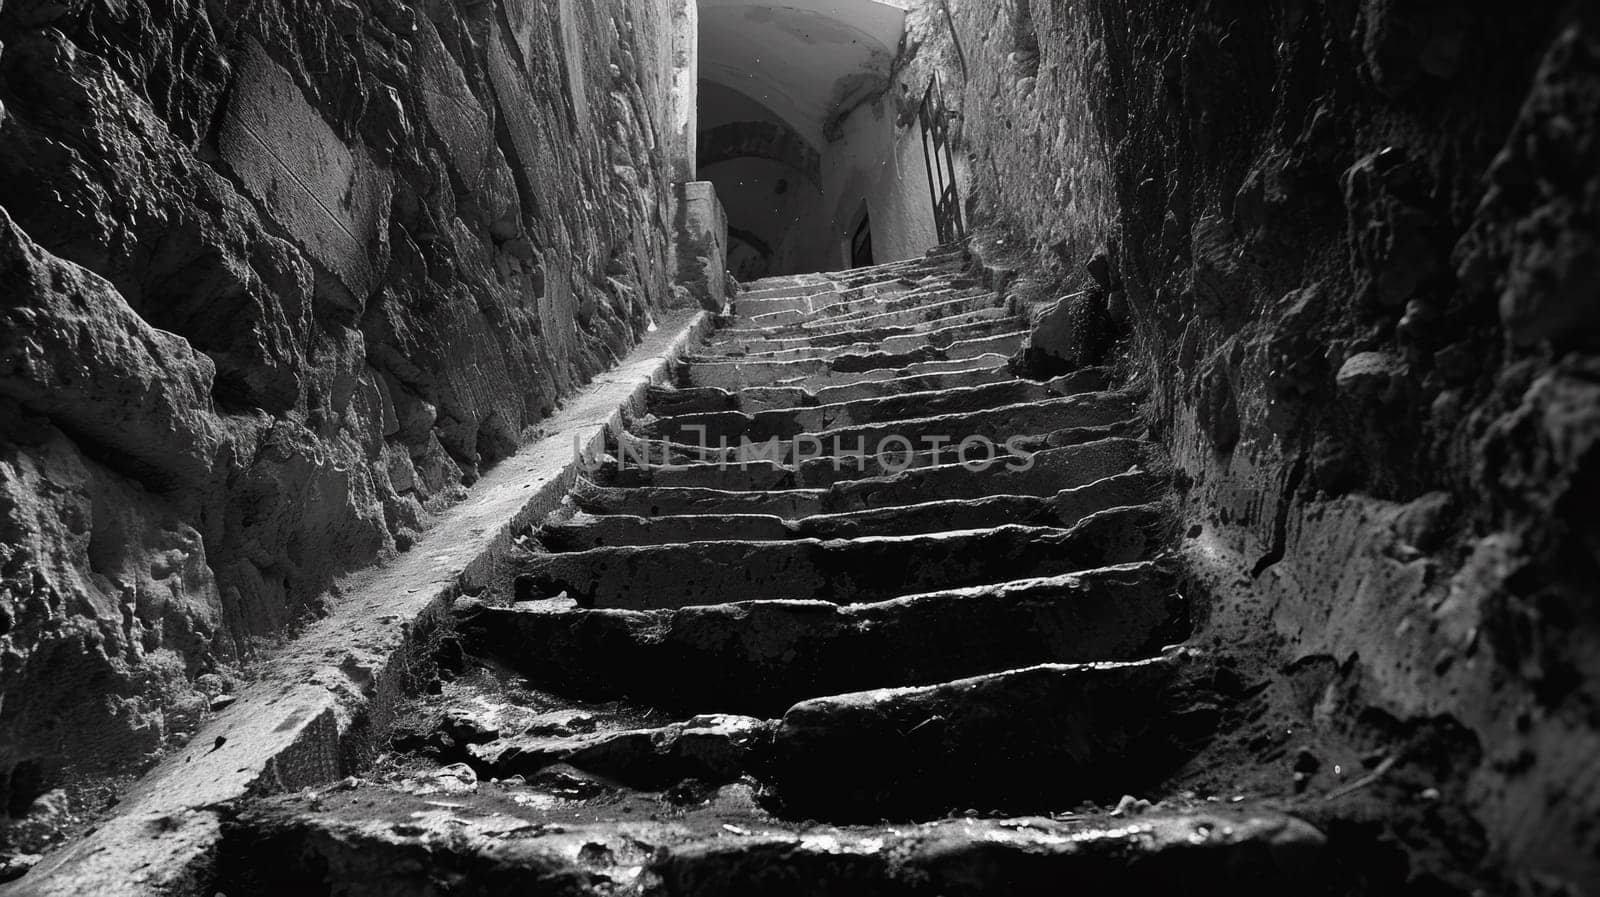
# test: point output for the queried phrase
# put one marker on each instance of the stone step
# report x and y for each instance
(739, 475)
(666, 401)
(819, 376)
(827, 471)
(913, 306)
(997, 424)
(829, 311)
(940, 332)
(832, 431)
(582, 531)
(889, 279)
(1229, 854)
(905, 312)
(735, 375)
(788, 423)
(666, 501)
(800, 300)
(973, 373)
(376, 840)
(966, 362)
(911, 270)
(712, 748)
(1041, 473)
(760, 657)
(663, 401)
(1027, 740)
(1065, 509)
(842, 572)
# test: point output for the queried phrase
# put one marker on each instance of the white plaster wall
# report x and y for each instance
(882, 163)
(685, 88)
(791, 65)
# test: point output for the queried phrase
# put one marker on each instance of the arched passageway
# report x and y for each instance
(796, 131)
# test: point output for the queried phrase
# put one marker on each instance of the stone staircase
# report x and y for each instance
(757, 652)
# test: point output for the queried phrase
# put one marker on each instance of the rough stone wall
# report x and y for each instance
(1352, 247)
(279, 279)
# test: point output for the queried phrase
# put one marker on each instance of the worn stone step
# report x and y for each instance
(836, 310)
(744, 474)
(818, 375)
(510, 840)
(810, 298)
(1005, 344)
(1043, 473)
(1207, 854)
(906, 311)
(940, 333)
(853, 359)
(988, 430)
(736, 375)
(581, 531)
(1064, 509)
(902, 313)
(909, 273)
(820, 461)
(822, 472)
(666, 401)
(1028, 740)
(773, 435)
(801, 300)
(973, 373)
(712, 748)
(914, 307)
(663, 501)
(843, 572)
(759, 657)
(918, 309)
(788, 423)
(948, 365)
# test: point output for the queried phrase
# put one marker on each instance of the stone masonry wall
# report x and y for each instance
(1352, 249)
(279, 279)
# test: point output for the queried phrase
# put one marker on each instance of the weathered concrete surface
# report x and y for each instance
(309, 718)
(282, 279)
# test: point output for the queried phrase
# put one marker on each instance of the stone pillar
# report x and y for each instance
(700, 239)
(685, 88)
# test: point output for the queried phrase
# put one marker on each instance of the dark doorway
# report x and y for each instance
(861, 243)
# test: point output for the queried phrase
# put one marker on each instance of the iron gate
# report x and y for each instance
(941, 165)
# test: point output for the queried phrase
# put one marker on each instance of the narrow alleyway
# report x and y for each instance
(730, 676)
(436, 458)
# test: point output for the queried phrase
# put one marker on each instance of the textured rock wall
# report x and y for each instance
(280, 278)
(1352, 247)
